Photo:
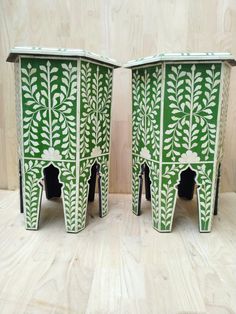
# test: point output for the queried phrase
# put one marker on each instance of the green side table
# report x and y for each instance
(179, 113)
(63, 99)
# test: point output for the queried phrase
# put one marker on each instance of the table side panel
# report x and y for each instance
(146, 103)
(95, 109)
(191, 103)
(49, 101)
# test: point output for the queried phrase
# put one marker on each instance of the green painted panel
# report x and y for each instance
(95, 109)
(49, 98)
(146, 87)
(190, 111)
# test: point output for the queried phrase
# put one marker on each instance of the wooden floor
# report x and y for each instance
(118, 264)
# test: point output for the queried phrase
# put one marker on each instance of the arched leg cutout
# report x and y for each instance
(92, 183)
(51, 183)
(136, 184)
(147, 183)
(169, 179)
(206, 192)
(187, 184)
(140, 188)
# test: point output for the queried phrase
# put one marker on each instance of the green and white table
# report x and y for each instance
(179, 113)
(63, 99)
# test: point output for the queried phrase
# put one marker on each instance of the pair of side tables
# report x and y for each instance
(63, 101)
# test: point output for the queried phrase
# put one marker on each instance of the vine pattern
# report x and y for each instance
(96, 93)
(104, 169)
(192, 100)
(49, 91)
(154, 177)
(224, 109)
(68, 177)
(136, 171)
(169, 179)
(205, 190)
(146, 110)
(85, 169)
(45, 104)
(190, 118)
(32, 192)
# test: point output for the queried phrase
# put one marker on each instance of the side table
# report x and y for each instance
(63, 99)
(179, 113)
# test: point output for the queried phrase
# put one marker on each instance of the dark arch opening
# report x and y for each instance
(52, 185)
(187, 184)
(95, 176)
(185, 187)
(144, 173)
(92, 181)
(147, 182)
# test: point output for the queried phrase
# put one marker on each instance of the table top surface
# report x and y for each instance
(197, 56)
(59, 52)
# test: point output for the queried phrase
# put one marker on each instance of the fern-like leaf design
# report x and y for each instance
(193, 97)
(49, 112)
(146, 106)
(96, 93)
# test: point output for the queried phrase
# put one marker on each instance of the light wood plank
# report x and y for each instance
(124, 30)
(118, 264)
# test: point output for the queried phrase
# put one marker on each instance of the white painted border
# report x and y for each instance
(175, 62)
(61, 52)
(21, 143)
(77, 141)
(161, 138)
(214, 175)
(182, 57)
(96, 62)
(110, 137)
(225, 104)
(174, 162)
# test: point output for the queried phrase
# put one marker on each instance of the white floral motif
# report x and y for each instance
(96, 152)
(145, 153)
(49, 103)
(192, 121)
(146, 102)
(96, 92)
(189, 157)
(51, 154)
